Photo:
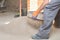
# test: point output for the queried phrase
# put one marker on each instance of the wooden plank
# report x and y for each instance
(20, 7)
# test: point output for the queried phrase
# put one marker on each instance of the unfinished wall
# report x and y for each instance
(12, 5)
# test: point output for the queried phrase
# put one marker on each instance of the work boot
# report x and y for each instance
(39, 37)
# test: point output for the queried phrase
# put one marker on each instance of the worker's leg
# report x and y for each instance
(50, 12)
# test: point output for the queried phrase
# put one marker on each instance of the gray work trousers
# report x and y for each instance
(50, 12)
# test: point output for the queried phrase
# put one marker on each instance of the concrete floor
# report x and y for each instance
(17, 28)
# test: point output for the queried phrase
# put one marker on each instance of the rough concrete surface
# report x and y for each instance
(12, 5)
(18, 29)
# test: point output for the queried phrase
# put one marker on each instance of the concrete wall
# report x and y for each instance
(12, 5)
(33, 5)
(24, 3)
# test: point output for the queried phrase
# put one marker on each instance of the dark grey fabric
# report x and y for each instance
(50, 12)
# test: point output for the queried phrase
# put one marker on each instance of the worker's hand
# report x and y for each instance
(35, 14)
(34, 17)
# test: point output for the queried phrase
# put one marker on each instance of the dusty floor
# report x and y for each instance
(17, 29)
